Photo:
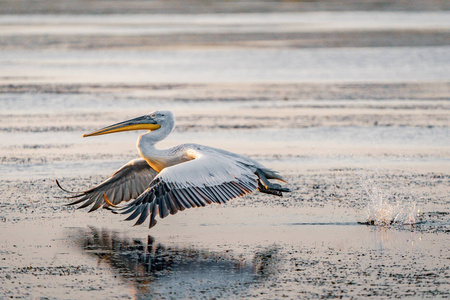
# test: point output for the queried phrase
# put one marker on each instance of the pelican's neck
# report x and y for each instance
(149, 139)
(156, 158)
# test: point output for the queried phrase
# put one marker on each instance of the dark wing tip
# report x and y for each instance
(65, 190)
(152, 223)
(76, 201)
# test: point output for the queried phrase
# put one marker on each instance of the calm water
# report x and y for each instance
(230, 65)
(220, 23)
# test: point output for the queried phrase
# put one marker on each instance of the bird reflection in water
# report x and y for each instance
(158, 270)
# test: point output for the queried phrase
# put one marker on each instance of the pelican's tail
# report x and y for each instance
(270, 174)
(265, 186)
(272, 189)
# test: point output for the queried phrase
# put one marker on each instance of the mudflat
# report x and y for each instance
(353, 113)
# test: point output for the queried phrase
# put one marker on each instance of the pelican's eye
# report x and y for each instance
(153, 115)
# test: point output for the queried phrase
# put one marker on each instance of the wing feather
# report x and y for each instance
(163, 211)
(125, 184)
(184, 201)
(136, 213)
(227, 192)
(153, 213)
(97, 204)
(212, 195)
(210, 177)
(83, 198)
(219, 194)
(88, 202)
(194, 197)
(180, 207)
(144, 214)
(128, 210)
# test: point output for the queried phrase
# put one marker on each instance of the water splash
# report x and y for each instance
(386, 207)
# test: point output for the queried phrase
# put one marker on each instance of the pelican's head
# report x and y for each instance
(151, 122)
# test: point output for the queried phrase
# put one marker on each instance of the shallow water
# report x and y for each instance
(235, 65)
(207, 258)
(213, 23)
(383, 127)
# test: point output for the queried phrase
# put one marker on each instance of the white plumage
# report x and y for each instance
(166, 181)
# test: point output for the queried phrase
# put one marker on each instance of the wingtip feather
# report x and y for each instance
(65, 190)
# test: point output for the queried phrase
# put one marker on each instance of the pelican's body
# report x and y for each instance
(165, 181)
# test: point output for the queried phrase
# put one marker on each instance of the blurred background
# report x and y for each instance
(195, 7)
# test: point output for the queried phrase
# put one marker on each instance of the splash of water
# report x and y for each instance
(385, 207)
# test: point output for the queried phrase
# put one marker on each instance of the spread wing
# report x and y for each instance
(127, 183)
(210, 177)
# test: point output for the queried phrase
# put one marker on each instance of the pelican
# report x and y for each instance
(165, 181)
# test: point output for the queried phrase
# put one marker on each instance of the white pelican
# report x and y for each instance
(165, 181)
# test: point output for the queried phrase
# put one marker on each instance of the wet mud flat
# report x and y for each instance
(303, 245)
(351, 107)
(333, 151)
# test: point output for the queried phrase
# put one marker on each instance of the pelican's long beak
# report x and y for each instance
(140, 123)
